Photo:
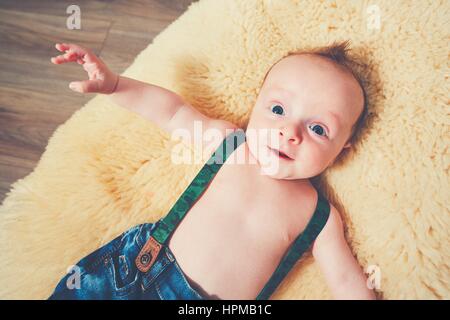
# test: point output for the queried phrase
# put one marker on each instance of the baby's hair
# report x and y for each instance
(338, 53)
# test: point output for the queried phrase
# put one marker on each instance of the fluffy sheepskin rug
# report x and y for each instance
(107, 169)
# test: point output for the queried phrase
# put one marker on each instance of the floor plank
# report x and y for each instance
(34, 94)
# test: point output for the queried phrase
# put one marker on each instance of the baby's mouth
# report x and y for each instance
(280, 154)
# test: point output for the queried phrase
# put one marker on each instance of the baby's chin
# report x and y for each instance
(280, 174)
(280, 170)
(270, 166)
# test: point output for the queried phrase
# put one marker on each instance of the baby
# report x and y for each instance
(238, 228)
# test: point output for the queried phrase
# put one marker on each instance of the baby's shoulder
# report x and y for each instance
(333, 228)
(224, 126)
(215, 133)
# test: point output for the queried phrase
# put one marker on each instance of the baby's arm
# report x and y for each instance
(342, 272)
(161, 106)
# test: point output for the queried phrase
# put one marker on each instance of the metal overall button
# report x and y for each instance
(146, 258)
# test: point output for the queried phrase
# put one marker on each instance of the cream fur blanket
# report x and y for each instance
(107, 169)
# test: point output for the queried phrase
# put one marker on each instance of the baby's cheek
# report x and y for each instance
(259, 121)
(314, 160)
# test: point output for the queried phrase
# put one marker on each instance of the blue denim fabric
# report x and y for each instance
(111, 273)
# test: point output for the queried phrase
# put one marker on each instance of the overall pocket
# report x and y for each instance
(124, 272)
(109, 272)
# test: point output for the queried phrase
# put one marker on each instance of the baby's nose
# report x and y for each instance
(290, 134)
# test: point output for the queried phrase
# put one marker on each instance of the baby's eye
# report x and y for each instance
(318, 129)
(277, 109)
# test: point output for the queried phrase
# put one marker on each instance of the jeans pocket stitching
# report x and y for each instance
(158, 291)
(123, 267)
(89, 268)
(129, 287)
(138, 238)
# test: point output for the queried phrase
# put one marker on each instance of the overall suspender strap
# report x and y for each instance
(197, 186)
(165, 226)
(300, 245)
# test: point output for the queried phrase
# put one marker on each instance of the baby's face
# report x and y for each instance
(309, 105)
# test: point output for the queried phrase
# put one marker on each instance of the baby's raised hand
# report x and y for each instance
(101, 79)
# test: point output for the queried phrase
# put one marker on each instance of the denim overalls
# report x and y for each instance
(138, 264)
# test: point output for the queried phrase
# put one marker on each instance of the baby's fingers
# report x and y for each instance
(73, 53)
(83, 53)
(67, 57)
(63, 47)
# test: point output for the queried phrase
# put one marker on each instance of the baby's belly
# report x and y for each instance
(226, 255)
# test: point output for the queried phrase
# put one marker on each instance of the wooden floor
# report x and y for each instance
(34, 94)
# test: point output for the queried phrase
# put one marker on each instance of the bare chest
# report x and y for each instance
(233, 237)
